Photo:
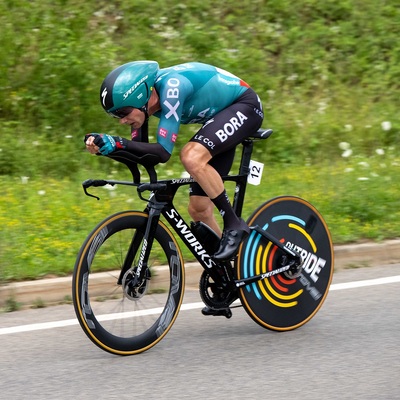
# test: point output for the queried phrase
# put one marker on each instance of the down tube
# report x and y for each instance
(188, 237)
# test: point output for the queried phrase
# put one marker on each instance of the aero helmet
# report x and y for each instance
(129, 85)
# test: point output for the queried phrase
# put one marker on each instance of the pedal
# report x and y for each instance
(224, 312)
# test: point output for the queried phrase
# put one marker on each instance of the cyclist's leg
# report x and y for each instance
(220, 134)
(224, 132)
(201, 208)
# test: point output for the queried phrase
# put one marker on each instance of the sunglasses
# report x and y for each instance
(121, 112)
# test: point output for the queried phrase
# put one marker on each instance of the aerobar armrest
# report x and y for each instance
(132, 160)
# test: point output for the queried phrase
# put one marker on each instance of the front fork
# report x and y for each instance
(143, 242)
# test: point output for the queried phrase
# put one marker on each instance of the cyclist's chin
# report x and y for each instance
(135, 125)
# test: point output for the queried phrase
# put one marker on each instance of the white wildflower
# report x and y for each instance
(41, 192)
(386, 125)
(380, 152)
(292, 77)
(344, 146)
(347, 153)
(348, 127)
(24, 179)
(322, 106)
(110, 187)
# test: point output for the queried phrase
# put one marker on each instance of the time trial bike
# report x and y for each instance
(129, 276)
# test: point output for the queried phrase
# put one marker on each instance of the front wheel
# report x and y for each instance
(117, 317)
(281, 302)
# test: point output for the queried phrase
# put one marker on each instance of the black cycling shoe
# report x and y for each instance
(230, 242)
(224, 312)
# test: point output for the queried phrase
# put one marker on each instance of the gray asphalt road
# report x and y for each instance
(349, 350)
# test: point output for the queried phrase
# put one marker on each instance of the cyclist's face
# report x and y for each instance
(135, 118)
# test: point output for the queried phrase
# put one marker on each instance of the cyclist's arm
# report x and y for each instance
(141, 148)
(103, 144)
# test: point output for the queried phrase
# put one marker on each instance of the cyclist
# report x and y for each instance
(228, 109)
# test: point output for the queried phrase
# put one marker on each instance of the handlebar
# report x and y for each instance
(149, 161)
(151, 187)
(141, 187)
(96, 183)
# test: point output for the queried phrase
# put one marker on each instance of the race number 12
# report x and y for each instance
(255, 173)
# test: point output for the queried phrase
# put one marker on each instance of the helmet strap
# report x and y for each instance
(144, 109)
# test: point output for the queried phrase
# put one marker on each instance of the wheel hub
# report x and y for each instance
(133, 288)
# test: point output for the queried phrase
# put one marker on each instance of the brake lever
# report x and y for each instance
(90, 182)
(90, 195)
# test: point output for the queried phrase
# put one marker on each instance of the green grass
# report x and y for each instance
(327, 72)
(45, 221)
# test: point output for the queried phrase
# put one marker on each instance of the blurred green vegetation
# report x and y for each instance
(327, 72)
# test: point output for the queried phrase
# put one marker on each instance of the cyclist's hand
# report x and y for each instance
(106, 143)
(100, 142)
(89, 142)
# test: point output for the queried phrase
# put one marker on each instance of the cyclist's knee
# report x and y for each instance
(194, 156)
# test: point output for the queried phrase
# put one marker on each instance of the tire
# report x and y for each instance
(280, 303)
(111, 317)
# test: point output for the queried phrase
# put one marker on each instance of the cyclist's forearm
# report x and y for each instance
(140, 148)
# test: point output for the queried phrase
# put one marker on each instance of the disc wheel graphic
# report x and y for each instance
(280, 302)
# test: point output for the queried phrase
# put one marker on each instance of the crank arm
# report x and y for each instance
(256, 278)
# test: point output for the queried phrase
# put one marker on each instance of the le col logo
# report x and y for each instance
(231, 127)
(132, 88)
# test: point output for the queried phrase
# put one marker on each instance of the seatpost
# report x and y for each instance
(241, 182)
(246, 156)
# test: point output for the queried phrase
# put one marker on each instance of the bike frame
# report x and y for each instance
(160, 202)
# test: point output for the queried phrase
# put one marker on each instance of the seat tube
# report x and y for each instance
(241, 182)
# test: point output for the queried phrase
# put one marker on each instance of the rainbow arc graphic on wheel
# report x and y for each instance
(258, 259)
(280, 302)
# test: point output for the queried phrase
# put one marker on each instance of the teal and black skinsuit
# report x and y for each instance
(200, 93)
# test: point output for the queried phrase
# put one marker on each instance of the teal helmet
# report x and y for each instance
(129, 85)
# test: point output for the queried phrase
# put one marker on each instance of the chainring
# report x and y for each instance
(213, 295)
